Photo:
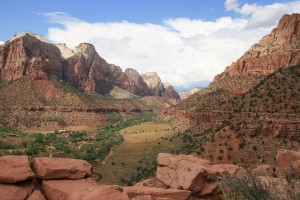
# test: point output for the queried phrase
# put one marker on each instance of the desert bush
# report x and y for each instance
(250, 187)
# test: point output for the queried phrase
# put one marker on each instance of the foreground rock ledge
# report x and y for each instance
(192, 173)
(81, 189)
(61, 168)
(14, 169)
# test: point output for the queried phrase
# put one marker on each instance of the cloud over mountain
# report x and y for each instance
(182, 51)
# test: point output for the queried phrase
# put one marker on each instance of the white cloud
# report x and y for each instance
(181, 50)
(263, 16)
(232, 5)
(1, 42)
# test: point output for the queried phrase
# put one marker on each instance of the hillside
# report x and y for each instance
(279, 49)
(43, 99)
(248, 111)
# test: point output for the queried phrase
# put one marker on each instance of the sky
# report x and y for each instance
(187, 42)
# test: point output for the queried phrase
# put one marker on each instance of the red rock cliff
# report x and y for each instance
(280, 48)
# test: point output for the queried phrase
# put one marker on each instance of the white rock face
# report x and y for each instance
(39, 37)
(186, 94)
(65, 51)
(166, 85)
(86, 49)
(152, 79)
(194, 90)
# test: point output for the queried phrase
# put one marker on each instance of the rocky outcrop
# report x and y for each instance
(192, 173)
(59, 168)
(54, 179)
(154, 83)
(81, 189)
(17, 54)
(170, 92)
(136, 77)
(285, 158)
(157, 88)
(278, 49)
(15, 169)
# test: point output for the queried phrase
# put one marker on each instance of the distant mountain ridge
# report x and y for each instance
(82, 67)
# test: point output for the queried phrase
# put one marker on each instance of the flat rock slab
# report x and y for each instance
(61, 168)
(81, 190)
(15, 169)
(138, 192)
(14, 192)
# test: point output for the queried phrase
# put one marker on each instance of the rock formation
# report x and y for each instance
(170, 92)
(154, 83)
(55, 180)
(82, 67)
(136, 77)
(157, 88)
(278, 49)
(178, 177)
(185, 94)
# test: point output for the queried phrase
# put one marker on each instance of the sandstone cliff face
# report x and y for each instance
(154, 83)
(136, 77)
(170, 92)
(82, 67)
(281, 48)
(18, 53)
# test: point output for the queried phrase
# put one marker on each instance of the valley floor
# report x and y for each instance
(135, 158)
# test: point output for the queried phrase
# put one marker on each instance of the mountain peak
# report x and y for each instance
(86, 49)
(152, 79)
(65, 51)
(27, 33)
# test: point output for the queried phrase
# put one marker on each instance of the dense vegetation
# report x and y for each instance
(71, 144)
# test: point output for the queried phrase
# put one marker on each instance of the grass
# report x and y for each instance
(251, 187)
(135, 158)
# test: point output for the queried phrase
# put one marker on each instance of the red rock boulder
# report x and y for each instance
(285, 158)
(192, 173)
(15, 192)
(81, 189)
(137, 192)
(15, 169)
(264, 170)
(61, 168)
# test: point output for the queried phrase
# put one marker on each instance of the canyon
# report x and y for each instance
(243, 128)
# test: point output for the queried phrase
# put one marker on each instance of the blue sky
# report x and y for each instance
(186, 41)
(25, 14)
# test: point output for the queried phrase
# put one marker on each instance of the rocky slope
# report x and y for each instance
(38, 99)
(279, 49)
(246, 113)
